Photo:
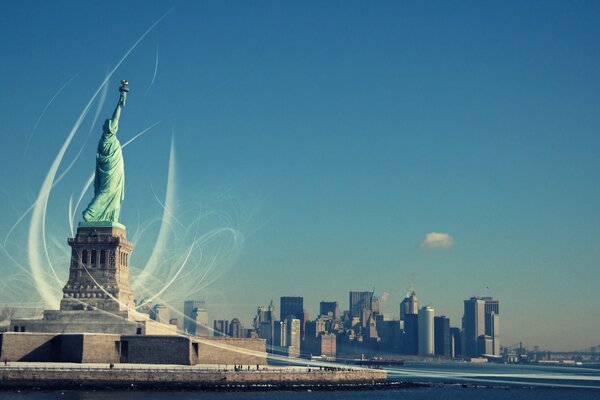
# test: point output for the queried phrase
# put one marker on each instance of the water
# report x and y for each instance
(461, 381)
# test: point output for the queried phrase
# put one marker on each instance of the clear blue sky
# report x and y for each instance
(334, 136)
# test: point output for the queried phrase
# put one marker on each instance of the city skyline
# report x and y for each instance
(449, 148)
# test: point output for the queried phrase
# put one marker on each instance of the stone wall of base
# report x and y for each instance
(156, 350)
(184, 376)
(133, 349)
(28, 347)
(221, 350)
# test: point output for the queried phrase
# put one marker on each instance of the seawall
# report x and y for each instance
(22, 375)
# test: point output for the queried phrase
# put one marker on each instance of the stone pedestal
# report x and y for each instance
(99, 271)
(97, 297)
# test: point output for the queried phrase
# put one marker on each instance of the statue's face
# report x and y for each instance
(106, 125)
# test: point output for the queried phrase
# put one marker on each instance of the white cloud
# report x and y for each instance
(437, 240)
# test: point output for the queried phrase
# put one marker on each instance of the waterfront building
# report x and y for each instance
(481, 318)
(426, 340)
(279, 334)
(293, 336)
(442, 338)
(473, 325)
(456, 337)
(326, 345)
(411, 334)
(495, 333)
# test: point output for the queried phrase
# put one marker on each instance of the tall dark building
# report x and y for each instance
(189, 320)
(409, 305)
(360, 301)
(221, 327)
(481, 327)
(456, 337)
(473, 325)
(236, 330)
(332, 307)
(292, 306)
(442, 338)
(411, 334)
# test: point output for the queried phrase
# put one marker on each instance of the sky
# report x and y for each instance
(321, 147)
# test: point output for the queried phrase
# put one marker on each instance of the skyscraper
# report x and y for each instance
(189, 320)
(481, 327)
(332, 307)
(457, 341)
(294, 306)
(411, 334)
(236, 330)
(360, 301)
(201, 328)
(279, 335)
(291, 305)
(293, 336)
(160, 313)
(426, 342)
(221, 327)
(410, 305)
(495, 333)
(473, 325)
(443, 340)
(492, 323)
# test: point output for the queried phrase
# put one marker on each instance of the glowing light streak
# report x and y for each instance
(37, 227)
(163, 233)
(44, 112)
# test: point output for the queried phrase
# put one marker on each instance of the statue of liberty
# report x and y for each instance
(109, 182)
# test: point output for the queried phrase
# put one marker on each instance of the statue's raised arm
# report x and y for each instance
(109, 183)
(122, 99)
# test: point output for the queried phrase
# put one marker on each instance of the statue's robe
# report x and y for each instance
(109, 183)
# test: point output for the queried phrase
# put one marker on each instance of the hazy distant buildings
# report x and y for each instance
(330, 308)
(264, 323)
(495, 333)
(410, 305)
(473, 325)
(411, 334)
(481, 327)
(291, 305)
(236, 330)
(293, 336)
(189, 321)
(327, 345)
(442, 338)
(360, 301)
(201, 328)
(221, 327)
(160, 313)
(426, 339)
(456, 338)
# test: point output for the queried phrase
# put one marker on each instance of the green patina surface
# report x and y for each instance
(109, 182)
